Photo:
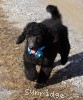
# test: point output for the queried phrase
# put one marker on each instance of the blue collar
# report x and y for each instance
(38, 53)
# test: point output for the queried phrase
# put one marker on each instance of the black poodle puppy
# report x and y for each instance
(43, 41)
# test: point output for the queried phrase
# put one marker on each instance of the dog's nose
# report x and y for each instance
(30, 46)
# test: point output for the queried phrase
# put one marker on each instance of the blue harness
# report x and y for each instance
(37, 54)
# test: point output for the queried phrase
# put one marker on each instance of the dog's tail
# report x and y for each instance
(54, 11)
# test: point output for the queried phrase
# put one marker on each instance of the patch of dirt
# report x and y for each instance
(13, 84)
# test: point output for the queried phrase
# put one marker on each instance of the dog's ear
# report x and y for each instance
(22, 37)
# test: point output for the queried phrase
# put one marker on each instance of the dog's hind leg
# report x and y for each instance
(64, 56)
(30, 71)
(64, 59)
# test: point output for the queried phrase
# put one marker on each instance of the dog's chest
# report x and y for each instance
(32, 59)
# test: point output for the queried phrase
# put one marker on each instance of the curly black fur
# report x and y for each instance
(50, 33)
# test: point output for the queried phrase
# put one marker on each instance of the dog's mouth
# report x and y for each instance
(38, 53)
(33, 51)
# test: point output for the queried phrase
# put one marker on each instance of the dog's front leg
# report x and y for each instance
(30, 71)
(43, 76)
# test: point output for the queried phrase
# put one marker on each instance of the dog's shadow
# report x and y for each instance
(73, 69)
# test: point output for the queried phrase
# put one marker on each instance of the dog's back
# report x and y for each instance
(57, 29)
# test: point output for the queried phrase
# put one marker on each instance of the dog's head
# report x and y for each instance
(33, 33)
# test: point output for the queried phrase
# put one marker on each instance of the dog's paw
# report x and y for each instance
(64, 61)
(38, 86)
